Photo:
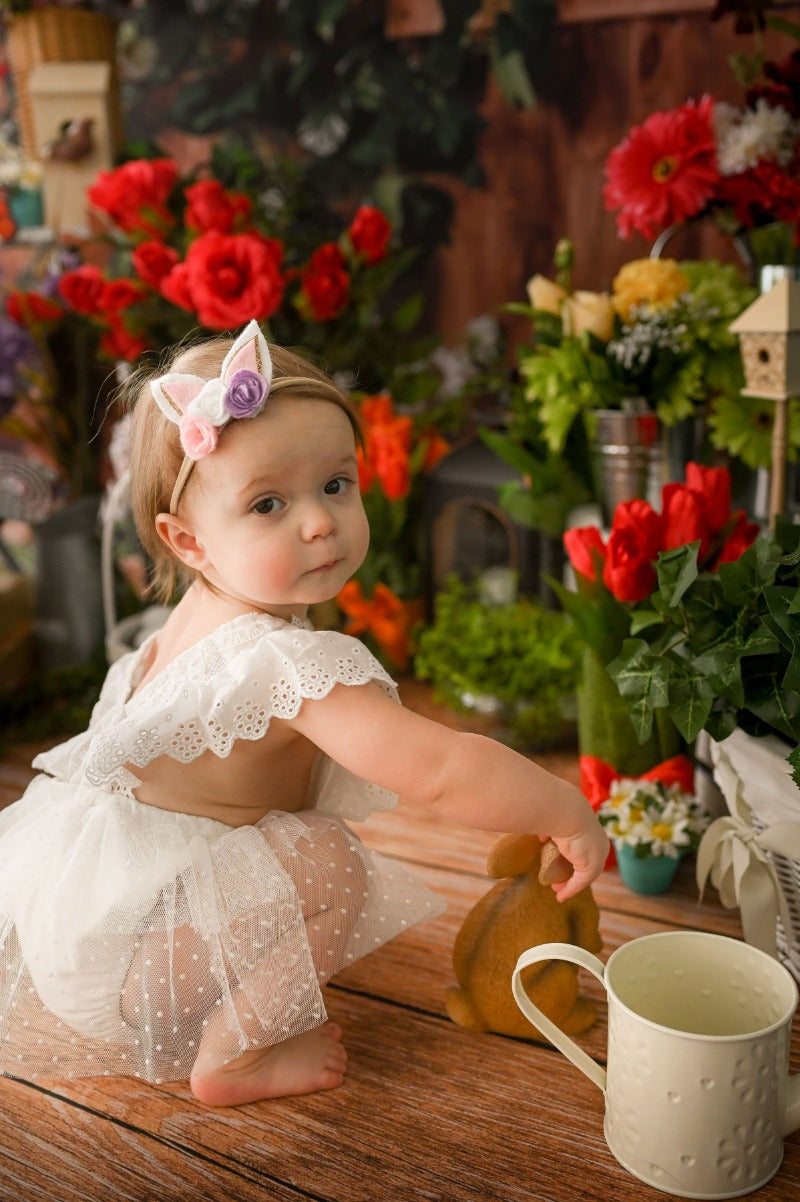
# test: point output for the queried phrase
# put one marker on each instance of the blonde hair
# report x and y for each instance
(156, 451)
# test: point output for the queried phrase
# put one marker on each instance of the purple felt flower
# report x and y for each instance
(247, 392)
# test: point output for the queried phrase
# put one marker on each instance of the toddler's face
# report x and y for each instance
(277, 509)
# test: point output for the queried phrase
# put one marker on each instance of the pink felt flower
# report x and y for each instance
(198, 435)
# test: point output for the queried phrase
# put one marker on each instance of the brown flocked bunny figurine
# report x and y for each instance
(516, 914)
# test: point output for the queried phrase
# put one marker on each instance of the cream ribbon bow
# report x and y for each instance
(735, 857)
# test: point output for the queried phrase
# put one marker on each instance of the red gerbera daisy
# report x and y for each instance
(664, 171)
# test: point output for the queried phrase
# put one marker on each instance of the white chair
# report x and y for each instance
(125, 634)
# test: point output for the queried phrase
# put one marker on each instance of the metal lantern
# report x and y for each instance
(467, 532)
(769, 336)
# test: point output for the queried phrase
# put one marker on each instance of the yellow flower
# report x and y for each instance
(656, 283)
(545, 294)
(590, 311)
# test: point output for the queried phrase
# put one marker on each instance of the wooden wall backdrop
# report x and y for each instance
(611, 64)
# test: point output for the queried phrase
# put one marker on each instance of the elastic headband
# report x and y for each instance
(202, 407)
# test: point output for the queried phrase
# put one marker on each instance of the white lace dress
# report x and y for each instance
(140, 941)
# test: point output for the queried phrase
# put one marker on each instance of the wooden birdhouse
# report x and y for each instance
(72, 107)
(769, 336)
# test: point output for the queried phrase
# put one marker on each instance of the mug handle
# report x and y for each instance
(576, 955)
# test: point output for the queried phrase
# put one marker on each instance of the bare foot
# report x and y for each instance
(309, 1062)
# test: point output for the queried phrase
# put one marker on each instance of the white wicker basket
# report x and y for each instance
(756, 781)
(788, 873)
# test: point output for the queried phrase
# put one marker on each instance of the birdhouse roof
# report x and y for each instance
(776, 312)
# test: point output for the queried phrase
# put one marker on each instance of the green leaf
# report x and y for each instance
(512, 78)
(644, 679)
(721, 668)
(513, 453)
(676, 571)
(691, 699)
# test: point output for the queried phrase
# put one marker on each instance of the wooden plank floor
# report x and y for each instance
(429, 1112)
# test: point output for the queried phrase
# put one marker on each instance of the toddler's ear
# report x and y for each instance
(179, 537)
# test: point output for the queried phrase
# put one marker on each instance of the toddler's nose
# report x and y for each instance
(318, 521)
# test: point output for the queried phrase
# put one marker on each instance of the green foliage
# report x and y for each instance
(718, 650)
(366, 111)
(525, 656)
(548, 488)
(57, 703)
(681, 359)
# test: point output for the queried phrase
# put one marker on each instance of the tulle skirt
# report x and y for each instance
(139, 941)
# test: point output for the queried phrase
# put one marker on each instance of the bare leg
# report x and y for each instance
(331, 879)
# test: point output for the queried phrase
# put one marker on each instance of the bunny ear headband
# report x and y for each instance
(202, 407)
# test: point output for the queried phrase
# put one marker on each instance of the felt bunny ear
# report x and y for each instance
(250, 352)
(174, 392)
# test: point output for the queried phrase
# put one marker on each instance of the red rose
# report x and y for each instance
(369, 234)
(174, 287)
(83, 289)
(120, 294)
(153, 260)
(119, 343)
(32, 309)
(714, 484)
(685, 518)
(325, 284)
(228, 279)
(628, 572)
(739, 539)
(135, 195)
(210, 207)
(583, 544)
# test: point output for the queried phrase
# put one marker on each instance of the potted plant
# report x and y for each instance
(511, 660)
(693, 612)
(618, 368)
(652, 826)
(687, 616)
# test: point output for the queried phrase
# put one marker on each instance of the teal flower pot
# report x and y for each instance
(649, 876)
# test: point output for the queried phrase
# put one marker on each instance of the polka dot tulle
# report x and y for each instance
(144, 942)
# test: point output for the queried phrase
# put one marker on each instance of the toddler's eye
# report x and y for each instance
(337, 486)
(267, 506)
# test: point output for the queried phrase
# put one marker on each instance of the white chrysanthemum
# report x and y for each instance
(669, 830)
(751, 135)
(659, 819)
(455, 367)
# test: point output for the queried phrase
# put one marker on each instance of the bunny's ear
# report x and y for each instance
(174, 392)
(513, 855)
(250, 352)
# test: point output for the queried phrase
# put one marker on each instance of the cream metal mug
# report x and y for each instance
(697, 1091)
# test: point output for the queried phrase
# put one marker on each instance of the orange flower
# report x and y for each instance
(378, 408)
(436, 447)
(388, 445)
(385, 616)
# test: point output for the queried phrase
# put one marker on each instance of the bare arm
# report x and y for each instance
(463, 778)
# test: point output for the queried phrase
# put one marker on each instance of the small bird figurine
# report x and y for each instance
(74, 141)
